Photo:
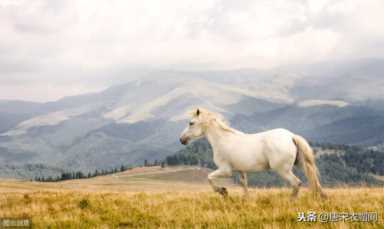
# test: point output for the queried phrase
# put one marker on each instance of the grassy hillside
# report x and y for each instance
(176, 197)
(139, 179)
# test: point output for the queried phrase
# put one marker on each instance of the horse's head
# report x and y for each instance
(195, 128)
(201, 121)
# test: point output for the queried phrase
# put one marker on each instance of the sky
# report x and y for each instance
(54, 48)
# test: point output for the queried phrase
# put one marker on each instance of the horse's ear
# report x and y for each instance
(198, 112)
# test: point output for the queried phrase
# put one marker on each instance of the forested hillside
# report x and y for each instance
(338, 164)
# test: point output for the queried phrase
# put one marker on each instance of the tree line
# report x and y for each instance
(81, 175)
(347, 165)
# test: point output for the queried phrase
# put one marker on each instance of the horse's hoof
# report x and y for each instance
(223, 191)
(323, 196)
(294, 194)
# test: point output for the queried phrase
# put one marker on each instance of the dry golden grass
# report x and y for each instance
(267, 208)
(145, 203)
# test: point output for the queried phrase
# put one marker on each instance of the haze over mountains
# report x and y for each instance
(126, 124)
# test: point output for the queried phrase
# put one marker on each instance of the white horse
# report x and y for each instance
(276, 149)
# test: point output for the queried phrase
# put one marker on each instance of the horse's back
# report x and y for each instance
(277, 131)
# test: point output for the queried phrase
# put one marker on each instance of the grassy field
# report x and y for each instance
(159, 198)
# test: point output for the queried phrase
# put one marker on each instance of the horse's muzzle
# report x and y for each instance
(184, 140)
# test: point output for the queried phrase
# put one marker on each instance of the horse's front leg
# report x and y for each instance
(221, 172)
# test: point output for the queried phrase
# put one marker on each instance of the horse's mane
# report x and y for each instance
(210, 116)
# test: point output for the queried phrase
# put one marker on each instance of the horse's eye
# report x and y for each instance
(191, 123)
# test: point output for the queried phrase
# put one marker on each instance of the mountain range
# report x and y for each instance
(141, 120)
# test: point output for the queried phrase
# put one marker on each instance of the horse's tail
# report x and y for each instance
(307, 162)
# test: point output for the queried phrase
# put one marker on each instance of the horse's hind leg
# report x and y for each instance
(216, 174)
(244, 183)
(292, 180)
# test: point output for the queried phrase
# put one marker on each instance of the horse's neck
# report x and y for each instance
(217, 137)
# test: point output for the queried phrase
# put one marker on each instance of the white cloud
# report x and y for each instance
(78, 43)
